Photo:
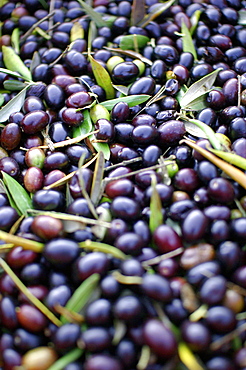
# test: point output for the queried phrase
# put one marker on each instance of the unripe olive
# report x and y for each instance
(140, 65)
(40, 358)
(35, 158)
(112, 62)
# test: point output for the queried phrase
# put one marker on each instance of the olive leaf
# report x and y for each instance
(156, 12)
(96, 193)
(188, 358)
(18, 193)
(194, 19)
(14, 85)
(103, 147)
(34, 300)
(85, 127)
(131, 100)
(15, 40)
(104, 248)
(104, 215)
(92, 34)
(232, 158)
(102, 77)
(122, 89)
(194, 130)
(95, 16)
(233, 172)
(13, 62)
(242, 17)
(156, 216)
(81, 295)
(188, 44)
(36, 60)
(14, 105)
(198, 89)
(131, 54)
(209, 132)
(44, 4)
(66, 359)
(77, 32)
(10, 73)
(1, 99)
(138, 11)
(133, 42)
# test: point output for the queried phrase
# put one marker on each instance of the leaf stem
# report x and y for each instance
(66, 359)
(32, 28)
(35, 301)
(24, 243)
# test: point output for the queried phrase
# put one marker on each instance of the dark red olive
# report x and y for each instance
(34, 122)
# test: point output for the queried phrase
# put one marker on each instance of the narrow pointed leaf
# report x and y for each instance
(156, 217)
(207, 130)
(34, 300)
(18, 193)
(66, 359)
(130, 41)
(195, 130)
(15, 40)
(188, 358)
(194, 21)
(95, 16)
(14, 105)
(14, 85)
(101, 147)
(77, 32)
(230, 170)
(36, 60)
(242, 17)
(198, 89)
(198, 103)
(81, 295)
(131, 53)
(131, 100)
(85, 127)
(138, 11)
(104, 248)
(97, 179)
(13, 62)
(92, 34)
(104, 215)
(10, 73)
(232, 158)
(102, 77)
(1, 99)
(153, 15)
(188, 44)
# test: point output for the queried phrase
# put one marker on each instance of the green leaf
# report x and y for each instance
(242, 17)
(13, 62)
(14, 105)
(194, 21)
(198, 89)
(156, 217)
(66, 359)
(132, 42)
(104, 248)
(36, 60)
(1, 99)
(131, 100)
(97, 179)
(153, 15)
(194, 130)
(10, 73)
(92, 34)
(102, 77)
(10, 199)
(77, 32)
(138, 11)
(85, 127)
(18, 193)
(198, 103)
(232, 158)
(104, 215)
(131, 54)
(15, 40)
(14, 85)
(44, 4)
(95, 16)
(101, 147)
(188, 358)
(81, 295)
(209, 132)
(188, 43)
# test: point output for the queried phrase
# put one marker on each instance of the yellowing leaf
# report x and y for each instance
(188, 358)
(13, 62)
(188, 44)
(77, 32)
(156, 217)
(102, 77)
